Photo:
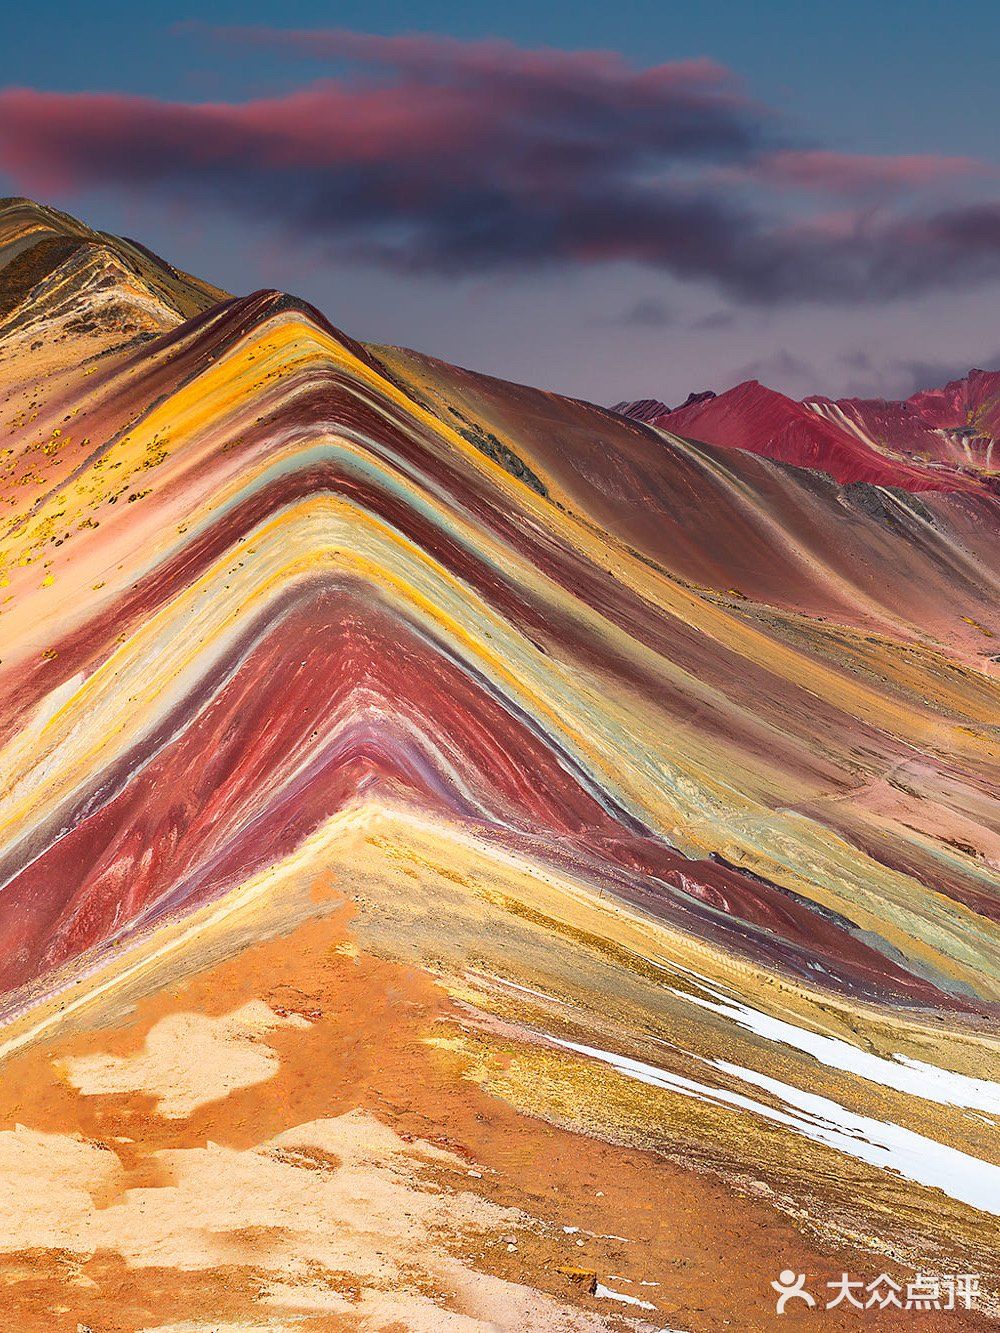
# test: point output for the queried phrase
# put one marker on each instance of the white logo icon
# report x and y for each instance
(791, 1286)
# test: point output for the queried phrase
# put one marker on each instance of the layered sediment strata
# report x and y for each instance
(669, 765)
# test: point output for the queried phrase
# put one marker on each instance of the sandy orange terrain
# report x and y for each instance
(459, 1212)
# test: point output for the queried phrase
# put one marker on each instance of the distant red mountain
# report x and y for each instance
(936, 440)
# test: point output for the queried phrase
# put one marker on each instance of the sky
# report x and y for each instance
(613, 201)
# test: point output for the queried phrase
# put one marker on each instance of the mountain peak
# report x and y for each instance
(938, 439)
(55, 269)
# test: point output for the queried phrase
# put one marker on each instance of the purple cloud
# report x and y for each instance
(847, 174)
(430, 154)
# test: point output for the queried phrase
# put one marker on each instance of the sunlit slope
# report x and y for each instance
(699, 748)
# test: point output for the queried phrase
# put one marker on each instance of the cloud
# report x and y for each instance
(782, 366)
(896, 378)
(713, 321)
(429, 154)
(844, 257)
(848, 174)
(648, 313)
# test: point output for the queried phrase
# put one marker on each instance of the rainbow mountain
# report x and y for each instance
(573, 830)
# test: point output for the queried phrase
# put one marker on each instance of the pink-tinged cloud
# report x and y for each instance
(433, 154)
(858, 173)
(429, 56)
(476, 105)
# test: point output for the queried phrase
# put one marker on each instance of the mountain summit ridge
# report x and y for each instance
(468, 741)
(937, 439)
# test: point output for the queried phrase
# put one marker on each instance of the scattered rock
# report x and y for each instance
(583, 1279)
